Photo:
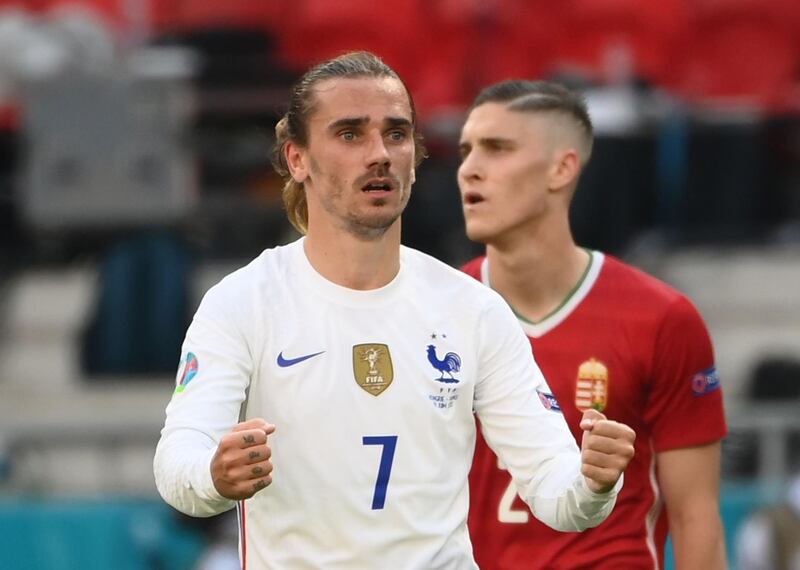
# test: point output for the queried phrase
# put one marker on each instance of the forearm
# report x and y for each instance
(183, 474)
(532, 441)
(564, 502)
(689, 482)
(698, 541)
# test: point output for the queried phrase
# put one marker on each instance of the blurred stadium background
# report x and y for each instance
(134, 174)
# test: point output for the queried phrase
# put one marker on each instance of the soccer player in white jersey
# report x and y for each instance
(353, 365)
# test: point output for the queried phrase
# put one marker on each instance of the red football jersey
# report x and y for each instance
(632, 347)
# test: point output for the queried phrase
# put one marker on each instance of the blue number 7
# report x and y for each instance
(389, 442)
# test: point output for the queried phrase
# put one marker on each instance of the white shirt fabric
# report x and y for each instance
(321, 510)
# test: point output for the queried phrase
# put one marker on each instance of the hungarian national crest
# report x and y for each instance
(372, 367)
(591, 386)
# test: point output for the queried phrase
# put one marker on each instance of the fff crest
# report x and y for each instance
(372, 367)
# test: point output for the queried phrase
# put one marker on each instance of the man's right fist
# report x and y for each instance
(241, 467)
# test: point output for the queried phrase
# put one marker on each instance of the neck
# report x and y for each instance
(352, 261)
(536, 273)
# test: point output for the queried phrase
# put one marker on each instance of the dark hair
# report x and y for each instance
(294, 124)
(532, 96)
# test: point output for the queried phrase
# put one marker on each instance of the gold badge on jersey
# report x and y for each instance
(591, 386)
(372, 367)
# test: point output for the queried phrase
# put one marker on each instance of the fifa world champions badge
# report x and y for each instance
(372, 367)
(591, 386)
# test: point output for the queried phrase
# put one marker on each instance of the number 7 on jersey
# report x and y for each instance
(389, 442)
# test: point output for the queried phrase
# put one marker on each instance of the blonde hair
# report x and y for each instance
(294, 124)
(293, 193)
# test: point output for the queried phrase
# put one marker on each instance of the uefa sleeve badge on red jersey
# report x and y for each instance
(705, 382)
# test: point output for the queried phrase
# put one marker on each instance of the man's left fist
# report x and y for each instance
(606, 450)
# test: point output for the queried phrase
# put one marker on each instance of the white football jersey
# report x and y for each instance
(372, 394)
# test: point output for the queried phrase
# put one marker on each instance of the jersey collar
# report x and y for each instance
(551, 321)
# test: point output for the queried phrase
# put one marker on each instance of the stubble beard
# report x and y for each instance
(367, 226)
(372, 226)
(364, 225)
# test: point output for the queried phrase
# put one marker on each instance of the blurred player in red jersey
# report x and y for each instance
(606, 335)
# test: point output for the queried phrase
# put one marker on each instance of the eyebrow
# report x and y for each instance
(398, 122)
(358, 121)
(489, 141)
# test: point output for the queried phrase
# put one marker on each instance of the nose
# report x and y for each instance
(377, 153)
(469, 170)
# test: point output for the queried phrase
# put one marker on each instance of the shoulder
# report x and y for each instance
(623, 274)
(646, 295)
(244, 284)
(641, 287)
(443, 281)
(427, 268)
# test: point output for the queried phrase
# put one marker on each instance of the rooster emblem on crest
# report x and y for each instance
(447, 365)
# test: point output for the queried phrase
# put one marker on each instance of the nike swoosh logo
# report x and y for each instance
(284, 362)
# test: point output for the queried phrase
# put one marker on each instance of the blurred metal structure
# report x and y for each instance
(109, 150)
(774, 428)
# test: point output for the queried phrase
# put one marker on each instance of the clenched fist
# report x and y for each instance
(606, 450)
(241, 467)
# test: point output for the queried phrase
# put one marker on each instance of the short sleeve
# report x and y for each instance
(685, 389)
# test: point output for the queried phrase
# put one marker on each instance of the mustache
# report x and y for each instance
(377, 173)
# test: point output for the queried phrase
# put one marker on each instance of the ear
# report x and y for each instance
(565, 169)
(296, 161)
(413, 176)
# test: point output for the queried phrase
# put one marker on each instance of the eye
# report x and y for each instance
(347, 135)
(398, 135)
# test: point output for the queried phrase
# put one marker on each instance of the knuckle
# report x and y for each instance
(224, 465)
(231, 474)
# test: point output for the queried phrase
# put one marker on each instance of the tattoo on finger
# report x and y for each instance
(249, 438)
(254, 455)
